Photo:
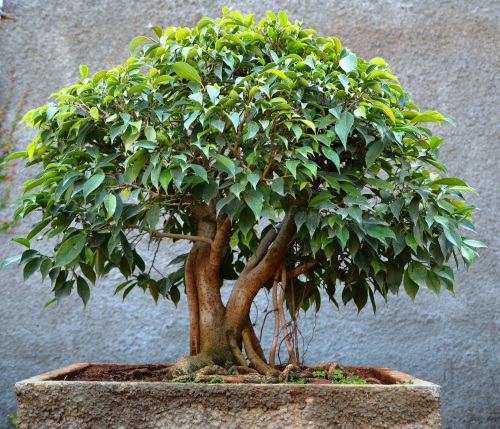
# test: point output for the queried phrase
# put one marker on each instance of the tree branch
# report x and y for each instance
(159, 234)
(219, 241)
(301, 269)
(262, 247)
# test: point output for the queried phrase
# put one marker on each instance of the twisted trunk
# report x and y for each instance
(218, 333)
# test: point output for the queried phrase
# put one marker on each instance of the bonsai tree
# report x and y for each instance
(288, 162)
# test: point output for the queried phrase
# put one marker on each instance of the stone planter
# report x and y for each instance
(47, 401)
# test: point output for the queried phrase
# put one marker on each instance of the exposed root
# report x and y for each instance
(260, 365)
(274, 344)
(238, 354)
(284, 377)
(188, 365)
(286, 335)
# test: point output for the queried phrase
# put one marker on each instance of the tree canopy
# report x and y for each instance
(257, 121)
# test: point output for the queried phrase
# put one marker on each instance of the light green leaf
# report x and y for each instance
(94, 113)
(343, 126)
(235, 119)
(84, 71)
(349, 63)
(8, 261)
(70, 249)
(110, 205)
(253, 129)
(22, 241)
(186, 71)
(150, 133)
(449, 181)
(279, 73)
(136, 42)
(471, 243)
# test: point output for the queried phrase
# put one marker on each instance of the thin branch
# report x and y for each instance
(301, 269)
(263, 246)
(159, 234)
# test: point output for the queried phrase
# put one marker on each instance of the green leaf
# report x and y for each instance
(411, 288)
(199, 171)
(84, 71)
(374, 152)
(8, 261)
(94, 113)
(360, 295)
(133, 171)
(332, 156)
(153, 216)
(253, 129)
(279, 73)
(418, 273)
(70, 249)
(254, 201)
(31, 267)
(83, 290)
(433, 283)
(453, 236)
(379, 232)
(474, 243)
(343, 126)
(235, 119)
(136, 42)
(226, 162)
(186, 71)
(348, 63)
(450, 181)
(93, 183)
(110, 205)
(317, 200)
(22, 241)
(292, 167)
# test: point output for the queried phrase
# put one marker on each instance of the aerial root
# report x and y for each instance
(255, 359)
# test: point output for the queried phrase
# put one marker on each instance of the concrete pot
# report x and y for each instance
(47, 401)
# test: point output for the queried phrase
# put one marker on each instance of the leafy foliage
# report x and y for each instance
(256, 120)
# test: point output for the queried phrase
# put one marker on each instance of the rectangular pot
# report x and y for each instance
(48, 401)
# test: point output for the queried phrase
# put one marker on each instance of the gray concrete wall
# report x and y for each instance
(445, 54)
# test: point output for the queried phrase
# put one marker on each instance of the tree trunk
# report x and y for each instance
(217, 333)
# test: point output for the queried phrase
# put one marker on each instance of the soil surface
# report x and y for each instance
(158, 373)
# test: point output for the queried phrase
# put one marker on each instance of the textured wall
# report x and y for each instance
(445, 54)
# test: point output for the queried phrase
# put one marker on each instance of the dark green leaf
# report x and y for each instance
(83, 290)
(70, 249)
(374, 152)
